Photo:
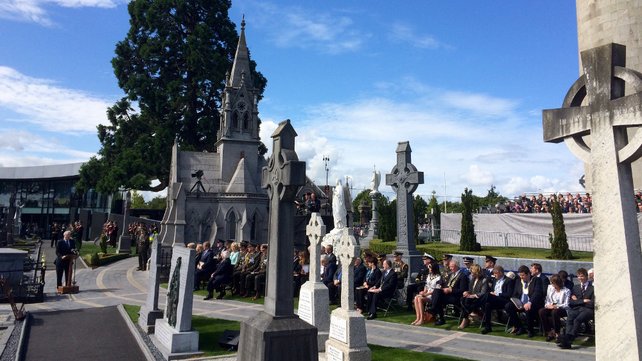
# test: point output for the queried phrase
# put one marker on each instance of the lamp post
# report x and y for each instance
(326, 160)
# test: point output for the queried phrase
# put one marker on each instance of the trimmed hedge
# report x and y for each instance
(378, 246)
(100, 259)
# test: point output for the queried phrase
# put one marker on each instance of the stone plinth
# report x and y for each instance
(149, 312)
(347, 339)
(266, 338)
(314, 308)
(11, 265)
(173, 334)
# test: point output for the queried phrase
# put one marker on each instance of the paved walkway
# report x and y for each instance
(121, 283)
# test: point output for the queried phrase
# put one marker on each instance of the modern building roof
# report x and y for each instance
(41, 171)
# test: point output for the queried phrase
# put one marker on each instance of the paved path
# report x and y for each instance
(121, 283)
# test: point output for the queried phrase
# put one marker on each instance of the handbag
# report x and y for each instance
(428, 317)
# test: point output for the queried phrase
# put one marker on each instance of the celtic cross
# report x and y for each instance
(346, 250)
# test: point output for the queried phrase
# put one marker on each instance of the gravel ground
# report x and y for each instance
(10, 349)
(158, 356)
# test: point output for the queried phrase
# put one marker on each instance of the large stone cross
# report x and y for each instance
(282, 177)
(596, 105)
(346, 250)
(404, 179)
(315, 230)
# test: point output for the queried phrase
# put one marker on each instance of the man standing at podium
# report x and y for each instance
(65, 249)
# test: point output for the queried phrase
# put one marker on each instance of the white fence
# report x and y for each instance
(506, 239)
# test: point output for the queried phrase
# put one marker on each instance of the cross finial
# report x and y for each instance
(243, 23)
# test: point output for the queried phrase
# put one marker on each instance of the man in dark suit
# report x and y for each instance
(385, 289)
(581, 308)
(221, 276)
(206, 266)
(65, 249)
(450, 293)
(359, 272)
(529, 291)
(501, 290)
(329, 269)
(536, 271)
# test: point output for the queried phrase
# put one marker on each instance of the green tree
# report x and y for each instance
(157, 203)
(559, 243)
(419, 208)
(468, 240)
(387, 218)
(363, 196)
(138, 202)
(172, 67)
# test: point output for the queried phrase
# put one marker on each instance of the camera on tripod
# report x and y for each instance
(198, 174)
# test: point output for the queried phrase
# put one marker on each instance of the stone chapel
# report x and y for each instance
(218, 195)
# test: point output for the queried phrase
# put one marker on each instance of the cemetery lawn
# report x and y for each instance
(211, 329)
(438, 248)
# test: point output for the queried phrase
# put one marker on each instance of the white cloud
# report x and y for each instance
(296, 27)
(49, 106)
(19, 148)
(446, 137)
(405, 34)
(34, 10)
(476, 176)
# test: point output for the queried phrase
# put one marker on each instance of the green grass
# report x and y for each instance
(382, 353)
(210, 330)
(438, 248)
(132, 312)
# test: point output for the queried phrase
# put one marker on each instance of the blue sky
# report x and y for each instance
(465, 82)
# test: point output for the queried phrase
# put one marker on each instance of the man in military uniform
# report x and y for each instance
(255, 280)
(400, 268)
(142, 247)
(445, 269)
(241, 265)
(253, 263)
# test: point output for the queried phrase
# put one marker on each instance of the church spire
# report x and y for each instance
(241, 68)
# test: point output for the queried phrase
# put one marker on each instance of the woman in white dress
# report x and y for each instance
(433, 281)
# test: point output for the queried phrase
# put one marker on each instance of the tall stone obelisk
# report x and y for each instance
(601, 22)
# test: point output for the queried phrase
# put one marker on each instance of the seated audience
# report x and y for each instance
(501, 290)
(420, 281)
(383, 290)
(221, 277)
(450, 293)
(528, 297)
(373, 275)
(432, 282)
(475, 297)
(581, 308)
(557, 297)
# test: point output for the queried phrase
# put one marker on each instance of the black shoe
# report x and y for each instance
(440, 322)
(486, 330)
(372, 316)
(521, 331)
(566, 345)
(208, 297)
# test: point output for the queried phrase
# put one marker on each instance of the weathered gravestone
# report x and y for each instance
(314, 302)
(404, 179)
(596, 105)
(347, 339)
(173, 334)
(125, 240)
(149, 312)
(277, 333)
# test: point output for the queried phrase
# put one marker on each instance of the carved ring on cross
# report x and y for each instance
(576, 96)
(402, 178)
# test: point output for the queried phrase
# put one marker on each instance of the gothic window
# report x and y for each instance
(235, 120)
(246, 120)
(231, 225)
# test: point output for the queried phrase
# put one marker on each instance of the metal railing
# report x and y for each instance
(576, 242)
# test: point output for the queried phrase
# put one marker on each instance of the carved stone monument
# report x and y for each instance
(149, 312)
(277, 333)
(596, 105)
(173, 334)
(404, 179)
(373, 230)
(125, 240)
(347, 339)
(314, 302)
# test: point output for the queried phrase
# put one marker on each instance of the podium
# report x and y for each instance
(70, 279)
